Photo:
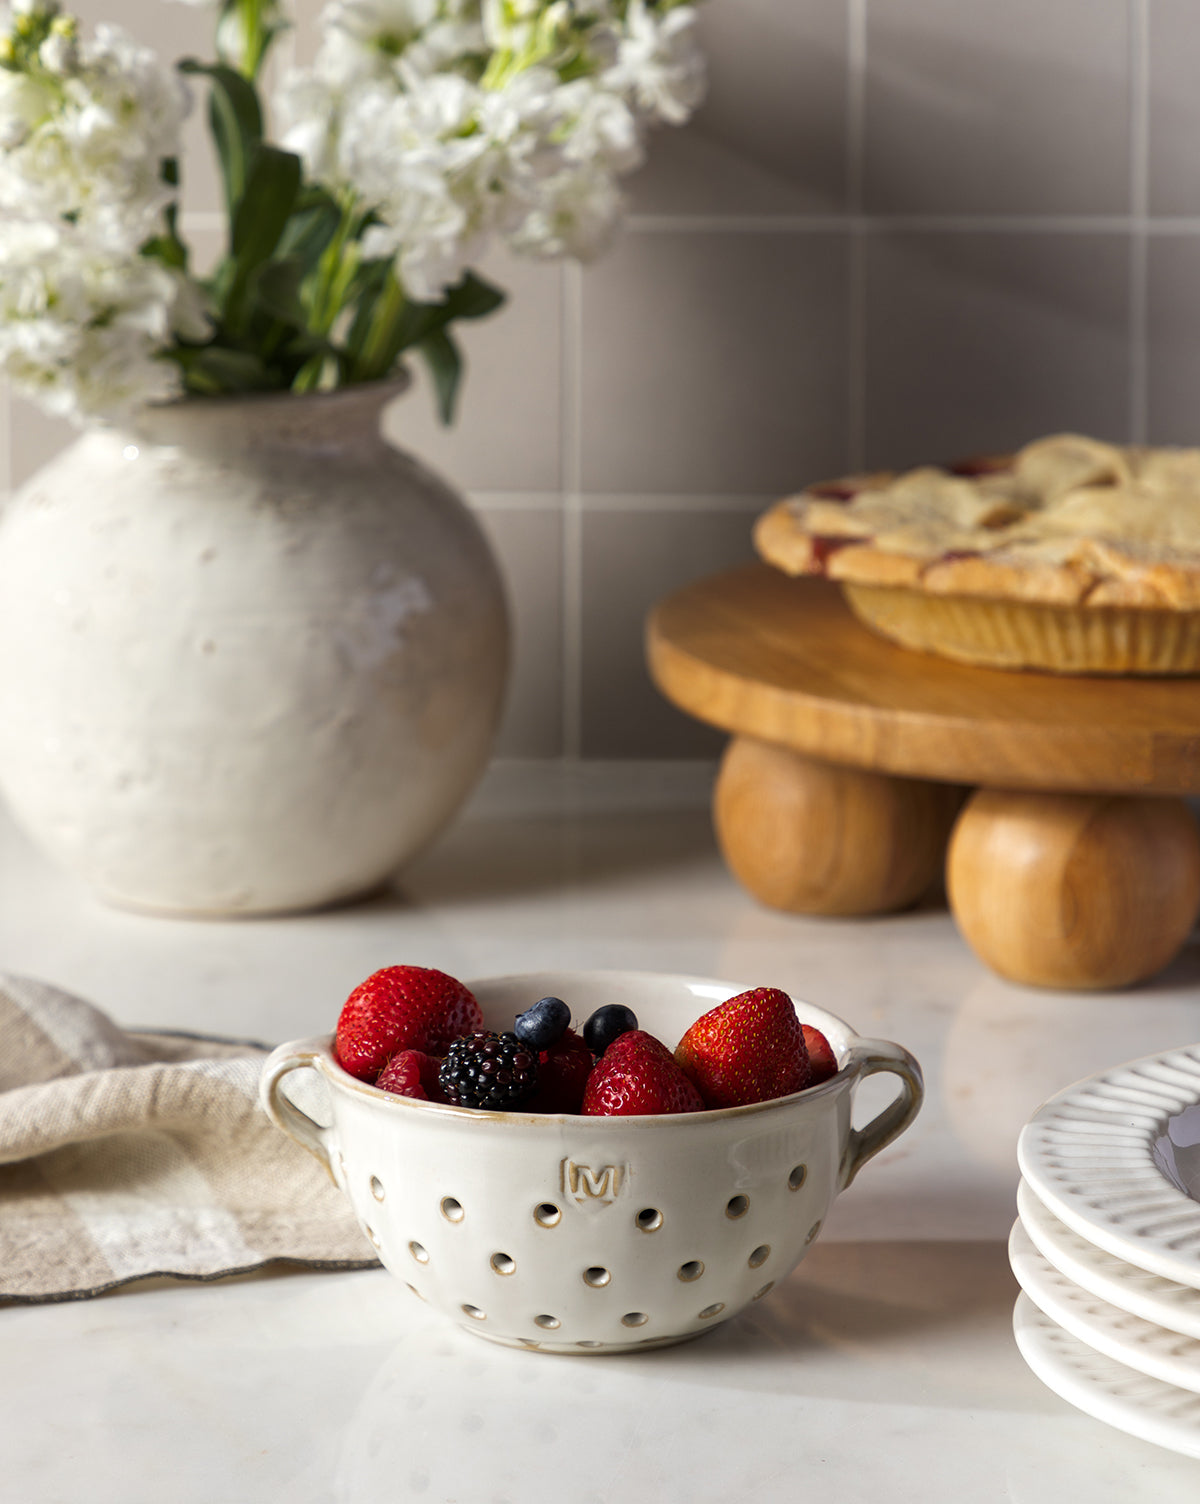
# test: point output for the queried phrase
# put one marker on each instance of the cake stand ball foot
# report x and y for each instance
(817, 838)
(1074, 890)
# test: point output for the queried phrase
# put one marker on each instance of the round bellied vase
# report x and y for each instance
(252, 657)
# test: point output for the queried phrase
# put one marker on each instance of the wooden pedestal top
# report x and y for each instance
(784, 660)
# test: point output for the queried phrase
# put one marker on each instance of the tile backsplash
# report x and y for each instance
(898, 230)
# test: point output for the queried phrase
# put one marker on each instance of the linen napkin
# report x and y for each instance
(132, 1153)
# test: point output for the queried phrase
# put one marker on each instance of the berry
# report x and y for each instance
(749, 1049)
(638, 1075)
(489, 1070)
(821, 1059)
(402, 1008)
(542, 1024)
(606, 1024)
(563, 1072)
(410, 1073)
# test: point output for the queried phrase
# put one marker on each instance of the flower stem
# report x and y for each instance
(381, 346)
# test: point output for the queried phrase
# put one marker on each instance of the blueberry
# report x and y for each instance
(541, 1025)
(606, 1024)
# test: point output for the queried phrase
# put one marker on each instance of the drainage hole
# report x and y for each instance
(634, 1318)
(377, 1187)
(760, 1255)
(370, 1232)
(797, 1178)
(693, 1269)
(418, 1253)
(452, 1209)
(737, 1206)
(587, 1344)
(649, 1219)
(713, 1310)
(475, 1313)
(596, 1277)
(546, 1214)
(502, 1263)
(812, 1232)
(547, 1323)
(766, 1290)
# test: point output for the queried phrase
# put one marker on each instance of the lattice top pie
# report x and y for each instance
(1067, 521)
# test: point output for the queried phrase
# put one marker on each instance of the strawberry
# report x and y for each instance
(410, 1073)
(563, 1071)
(821, 1059)
(402, 1008)
(637, 1075)
(749, 1049)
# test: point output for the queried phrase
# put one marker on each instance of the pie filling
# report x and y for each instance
(1066, 521)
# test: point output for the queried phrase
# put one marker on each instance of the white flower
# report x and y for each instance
(91, 148)
(82, 327)
(659, 62)
(599, 127)
(577, 214)
(24, 104)
(387, 25)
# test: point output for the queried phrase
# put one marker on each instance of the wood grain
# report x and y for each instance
(813, 838)
(783, 660)
(1074, 890)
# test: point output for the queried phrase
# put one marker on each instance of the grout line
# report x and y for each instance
(571, 439)
(856, 103)
(1139, 210)
(515, 501)
(898, 224)
(856, 268)
(675, 501)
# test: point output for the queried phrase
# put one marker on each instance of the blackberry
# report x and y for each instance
(489, 1070)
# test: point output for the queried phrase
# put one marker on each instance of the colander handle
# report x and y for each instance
(870, 1056)
(302, 1055)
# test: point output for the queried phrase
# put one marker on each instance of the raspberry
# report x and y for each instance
(489, 1070)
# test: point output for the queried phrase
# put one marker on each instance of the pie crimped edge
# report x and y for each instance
(1071, 555)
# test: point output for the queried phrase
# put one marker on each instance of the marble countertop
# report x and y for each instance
(884, 1369)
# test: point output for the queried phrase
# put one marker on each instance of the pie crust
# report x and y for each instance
(1072, 555)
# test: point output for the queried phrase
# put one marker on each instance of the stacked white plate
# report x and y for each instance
(1106, 1247)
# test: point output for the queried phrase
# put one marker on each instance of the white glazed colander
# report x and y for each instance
(579, 1234)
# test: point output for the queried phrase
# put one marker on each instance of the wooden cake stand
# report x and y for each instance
(857, 768)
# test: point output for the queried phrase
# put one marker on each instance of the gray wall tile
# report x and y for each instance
(506, 434)
(1019, 108)
(980, 342)
(1173, 309)
(528, 546)
(714, 362)
(771, 135)
(1174, 107)
(630, 561)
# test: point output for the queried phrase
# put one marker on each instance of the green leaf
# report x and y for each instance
(272, 183)
(271, 186)
(445, 364)
(168, 249)
(313, 224)
(235, 119)
(472, 298)
(214, 369)
(275, 289)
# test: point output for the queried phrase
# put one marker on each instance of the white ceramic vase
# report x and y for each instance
(251, 656)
